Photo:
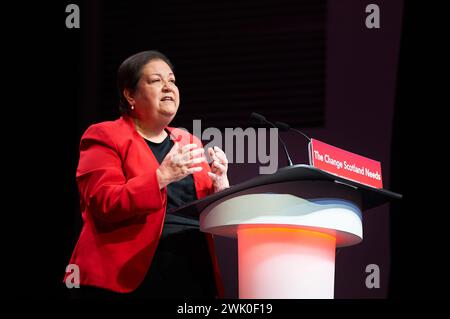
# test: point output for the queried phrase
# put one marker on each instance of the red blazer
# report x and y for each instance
(122, 207)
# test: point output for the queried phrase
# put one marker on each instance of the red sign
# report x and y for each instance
(345, 164)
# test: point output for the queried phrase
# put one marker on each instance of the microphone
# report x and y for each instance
(286, 127)
(262, 119)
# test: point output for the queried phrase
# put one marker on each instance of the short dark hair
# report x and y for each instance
(130, 72)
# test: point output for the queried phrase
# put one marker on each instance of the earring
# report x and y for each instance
(132, 107)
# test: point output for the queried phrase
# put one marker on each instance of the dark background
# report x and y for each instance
(380, 93)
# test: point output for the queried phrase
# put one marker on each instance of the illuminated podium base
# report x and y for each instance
(276, 262)
(286, 244)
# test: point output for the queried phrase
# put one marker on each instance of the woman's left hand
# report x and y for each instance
(219, 168)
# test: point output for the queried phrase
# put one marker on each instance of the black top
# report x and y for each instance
(182, 265)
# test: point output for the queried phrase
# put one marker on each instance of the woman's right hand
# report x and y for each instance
(179, 163)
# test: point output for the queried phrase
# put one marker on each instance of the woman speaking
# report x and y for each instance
(131, 172)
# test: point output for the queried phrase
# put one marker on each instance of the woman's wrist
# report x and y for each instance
(221, 184)
(163, 181)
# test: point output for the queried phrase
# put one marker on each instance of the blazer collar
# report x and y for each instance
(130, 122)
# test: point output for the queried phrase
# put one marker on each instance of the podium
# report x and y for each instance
(288, 226)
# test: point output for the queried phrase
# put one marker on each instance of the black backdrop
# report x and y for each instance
(231, 58)
(419, 224)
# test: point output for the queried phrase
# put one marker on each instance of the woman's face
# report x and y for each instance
(156, 97)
